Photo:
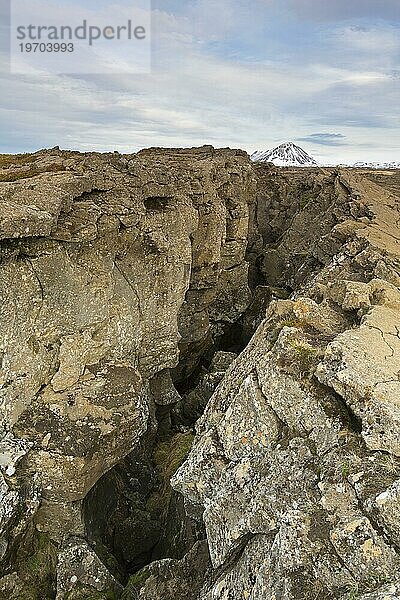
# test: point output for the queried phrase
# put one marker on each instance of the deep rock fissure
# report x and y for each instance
(292, 470)
(146, 519)
(143, 519)
(132, 516)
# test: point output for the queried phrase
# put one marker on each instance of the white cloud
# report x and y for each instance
(195, 95)
(377, 46)
(334, 10)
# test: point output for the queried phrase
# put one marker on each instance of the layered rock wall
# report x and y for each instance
(296, 459)
(121, 277)
(113, 270)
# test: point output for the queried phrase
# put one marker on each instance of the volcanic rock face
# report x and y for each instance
(110, 272)
(296, 458)
(129, 285)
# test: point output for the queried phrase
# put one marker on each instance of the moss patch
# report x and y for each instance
(83, 592)
(306, 356)
(29, 172)
(168, 457)
(286, 323)
(305, 199)
(135, 582)
(37, 568)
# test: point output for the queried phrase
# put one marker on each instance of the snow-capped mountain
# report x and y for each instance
(286, 155)
(377, 165)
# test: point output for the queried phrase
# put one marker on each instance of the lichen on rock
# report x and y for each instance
(185, 317)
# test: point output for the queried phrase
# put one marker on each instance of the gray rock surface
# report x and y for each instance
(78, 567)
(114, 269)
(295, 463)
(130, 286)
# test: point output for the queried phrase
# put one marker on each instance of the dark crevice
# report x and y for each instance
(132, 515)
(334, 404)
(157, 203)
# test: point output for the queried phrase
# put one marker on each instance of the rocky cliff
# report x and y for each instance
(143, 293)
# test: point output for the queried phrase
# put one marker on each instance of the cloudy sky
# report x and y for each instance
(241, 73)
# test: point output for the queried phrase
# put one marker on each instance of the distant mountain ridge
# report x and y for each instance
(291, 155)
(377, 165)
(285, 155)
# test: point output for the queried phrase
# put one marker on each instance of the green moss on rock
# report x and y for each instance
(83, 592)
(305, 199)
(37, 568)
(169, 455)
(306, 356)
(135, 582)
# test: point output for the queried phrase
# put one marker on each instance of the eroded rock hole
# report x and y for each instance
(133, 517)
(157, 203)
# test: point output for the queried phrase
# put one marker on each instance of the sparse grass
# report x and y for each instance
(139, 578)
(168, 457)
(374, 581)
(7, 160)
(286, 323)
(353, 594)
(378, 579)
(135, 582)
(306, 355)
(345, 470)
(30, 172)
(305, 199)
